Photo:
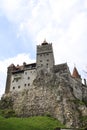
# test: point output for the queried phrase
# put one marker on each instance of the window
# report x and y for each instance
(28, 84)
(24, 84)
(16, 80)
(41, 64)
(47, 54)
(47, 59)
(26, 73)
(18, 86)
(47, 64)
(28, 77)
(13, 87)
(40, 60)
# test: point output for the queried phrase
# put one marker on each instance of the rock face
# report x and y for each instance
(53, 93)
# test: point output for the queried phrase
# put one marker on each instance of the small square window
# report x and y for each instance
(18, 86)
(26, 73)
(13, 87)
(28, 77)
(24, 84)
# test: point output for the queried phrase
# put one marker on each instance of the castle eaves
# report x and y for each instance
(24, 67)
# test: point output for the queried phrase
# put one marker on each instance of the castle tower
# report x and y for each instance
(45, 56)
(8, 80)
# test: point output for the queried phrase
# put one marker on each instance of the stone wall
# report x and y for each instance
(44, 48)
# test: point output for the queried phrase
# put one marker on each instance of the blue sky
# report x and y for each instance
(11, 45)
(26, 23)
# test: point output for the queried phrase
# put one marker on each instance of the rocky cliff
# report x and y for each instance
(53, 93)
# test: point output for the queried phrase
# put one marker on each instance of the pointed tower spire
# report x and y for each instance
(75, 73)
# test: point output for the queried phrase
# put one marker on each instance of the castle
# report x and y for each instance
(43, 87)
(22, 77)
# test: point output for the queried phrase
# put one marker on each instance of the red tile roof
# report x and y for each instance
(75, 73)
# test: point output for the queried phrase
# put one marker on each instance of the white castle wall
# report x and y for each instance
(20, 81)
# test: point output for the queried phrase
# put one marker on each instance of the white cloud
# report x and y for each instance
(38, 18)
(85, 4)
(19, 59)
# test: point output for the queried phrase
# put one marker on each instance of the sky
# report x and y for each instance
(26, 23)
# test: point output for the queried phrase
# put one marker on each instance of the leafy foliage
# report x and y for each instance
(6, 103)
(7, 113)
(84, 120)
(85, 101)
(6, 107)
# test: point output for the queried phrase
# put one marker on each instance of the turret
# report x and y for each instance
(8, 81)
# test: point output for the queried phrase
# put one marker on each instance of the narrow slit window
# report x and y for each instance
(28, 84)
(24, 84)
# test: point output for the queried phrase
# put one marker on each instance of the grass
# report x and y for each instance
(32, 123)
